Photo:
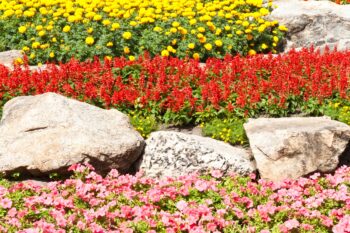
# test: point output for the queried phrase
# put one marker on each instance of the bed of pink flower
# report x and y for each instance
(211, 202)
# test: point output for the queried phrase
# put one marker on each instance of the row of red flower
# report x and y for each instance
(169, 84)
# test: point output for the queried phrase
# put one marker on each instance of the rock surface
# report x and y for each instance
(296, 146)
(170, 153)
(8, 57)
(48, 133)
(319, 23)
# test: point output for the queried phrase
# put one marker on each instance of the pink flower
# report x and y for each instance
(201, 185)
(216, 173)
(290, 224)
(343, 226)
(5, 203)
(181, 205)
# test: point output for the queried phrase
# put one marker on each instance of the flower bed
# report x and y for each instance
(178, 91)
(208, 203)
(58, 30)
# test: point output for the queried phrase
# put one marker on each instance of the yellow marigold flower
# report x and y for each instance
(157, 29)
(25, 48)
(126, 50)
(203, 39)
(89, 40)
(110, 44)
(173, 42)
(131, 58)
(133, 23)
(196, 56)
(201, 29)
(97, 17)
(245, 24)
(127, 35)
(175, 24)
(52, 54)
(218, 43)
(173, 30)
(32, 56)
(115, 26)
(90, 30)
(239, 32)
(19, 61)
(165, 53)
(193, 21)
(264, 46)
(275, 39)
(251, 52)
(22, 29)
(39, 28)
(66, 28)
(227, 28)
(191, 45)
(36, 45)
(282, 28)
(108, 58)
(208, 46)
(106, 22)
(42, 33)
(250, 37)
(54, 39)
(49, 28)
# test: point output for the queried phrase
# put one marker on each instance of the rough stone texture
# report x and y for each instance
(314, 22)
(296, 146)
(47, 133)
(174, 154)
(8, 57)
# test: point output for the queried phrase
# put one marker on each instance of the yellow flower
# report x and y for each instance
(22, 29)
(251, 52)
(97, 17)
(218, 43)
(157, 29)
(126, 50)
(196, 56)
(115, 26)
(264, 46)
(25, 48)
(39, 28)
(106, 22)
(127, 35)
(90, 30)
(32, 56)
(108, 58)
(42, 33)
(131, 58)
(282, 28)
(89, 40)
(239, 32)
(201, 29)
(165, 53)
(191, 45)
(36, 45)
(52, 54)
(208, 46)
(54, 39)
(110, 44)
(66, 28)
(175, 24)
(275, 39)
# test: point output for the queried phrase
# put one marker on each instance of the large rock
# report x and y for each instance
(47, 133)
(170, 153)
(296, 146)
(319, 23)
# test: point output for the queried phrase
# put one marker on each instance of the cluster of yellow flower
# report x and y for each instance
(58, 29)
(339, 111)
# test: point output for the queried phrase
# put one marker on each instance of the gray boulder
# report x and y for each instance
(170, 153)
(296, 146)
(321, 23)
(49, 132)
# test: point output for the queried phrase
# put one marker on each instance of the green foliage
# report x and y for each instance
(228, 130)
(143, 124)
